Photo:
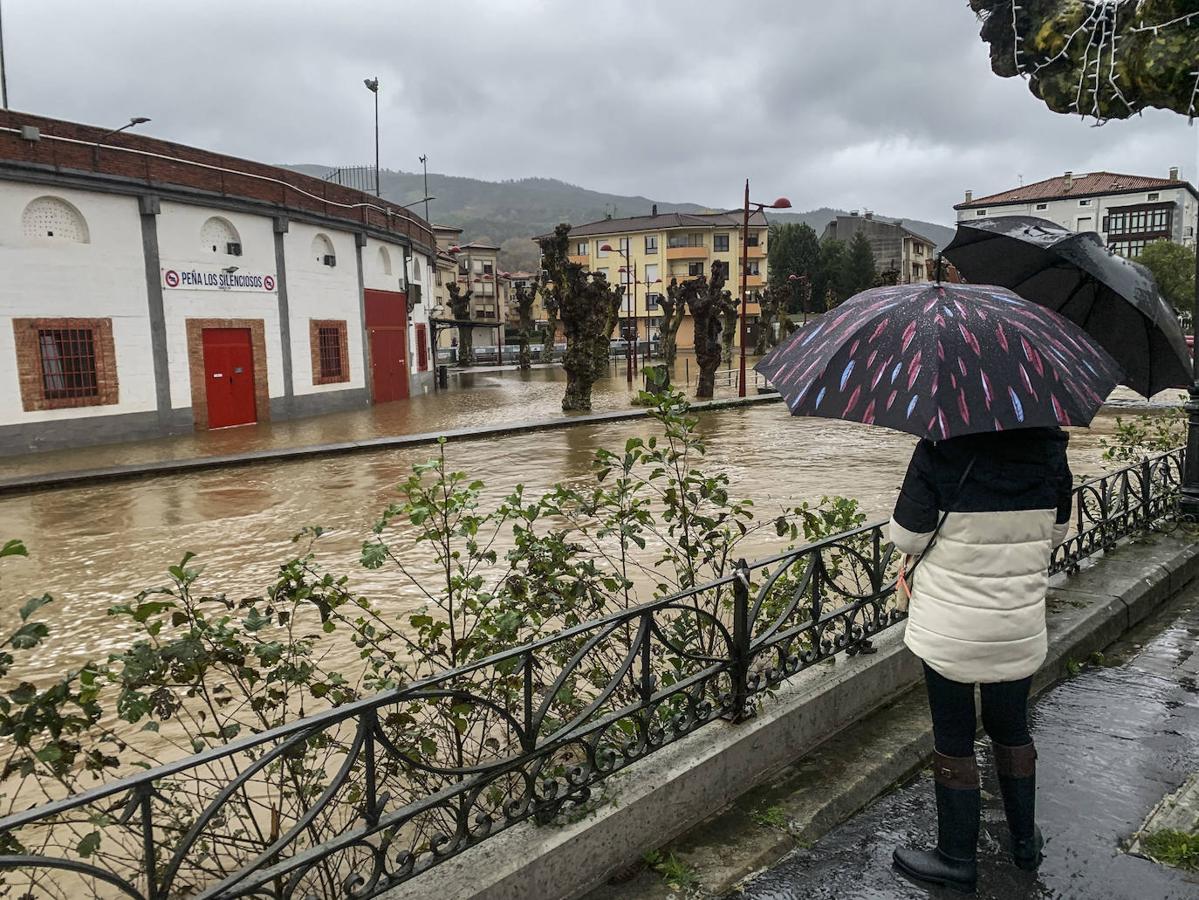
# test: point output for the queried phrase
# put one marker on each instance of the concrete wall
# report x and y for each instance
(318, 291)
(57, 277)
(181, 249)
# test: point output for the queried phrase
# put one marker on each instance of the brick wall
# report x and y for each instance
(147, 166)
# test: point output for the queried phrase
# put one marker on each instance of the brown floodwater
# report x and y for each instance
(94, 546)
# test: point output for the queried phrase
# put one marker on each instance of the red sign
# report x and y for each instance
(172, 278)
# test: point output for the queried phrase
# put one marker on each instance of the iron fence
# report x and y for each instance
(360, 178)
(361, 798)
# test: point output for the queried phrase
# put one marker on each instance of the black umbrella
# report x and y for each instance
(1116, 301)
(942, 360)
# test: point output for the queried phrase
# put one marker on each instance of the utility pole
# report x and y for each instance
(3, 75)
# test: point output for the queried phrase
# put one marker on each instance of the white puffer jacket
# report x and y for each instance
(977, 612)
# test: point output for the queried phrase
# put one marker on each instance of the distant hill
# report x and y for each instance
(508, 213)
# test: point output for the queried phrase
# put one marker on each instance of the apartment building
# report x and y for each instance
(1128, 211)
(897, 249)
(671, 245)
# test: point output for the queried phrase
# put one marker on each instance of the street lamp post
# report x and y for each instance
(372, 85)
(1188, 501)
(780, 203)
(629, 355)
(136, 120)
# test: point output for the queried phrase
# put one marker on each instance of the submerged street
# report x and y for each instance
(94, 546)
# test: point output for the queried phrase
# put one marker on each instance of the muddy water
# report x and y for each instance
(91, 547)
(474, 399)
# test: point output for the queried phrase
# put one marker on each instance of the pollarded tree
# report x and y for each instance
(550, 334)
(674, 310)
(709, 302)
(1098, 58)
(728, 330)
(460, 307)
(772, 304)
(526, 293)
(589, 309)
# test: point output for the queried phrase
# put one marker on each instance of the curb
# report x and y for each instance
(826, 745)
(25, 484)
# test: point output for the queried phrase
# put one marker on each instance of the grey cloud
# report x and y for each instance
(877, 103)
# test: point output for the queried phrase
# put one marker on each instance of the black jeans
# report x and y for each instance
(1004, 710)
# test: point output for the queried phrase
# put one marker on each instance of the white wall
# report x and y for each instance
(317, 291)
(1066, 212)
(52, 277)
(179, 247)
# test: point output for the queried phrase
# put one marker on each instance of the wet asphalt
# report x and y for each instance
(1112, 741)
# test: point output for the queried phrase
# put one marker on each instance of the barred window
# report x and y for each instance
(330, 344)
(330, 351)
(68, 363)
(64, 363)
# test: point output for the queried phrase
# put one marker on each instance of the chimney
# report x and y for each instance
(853, 212)
(869, 214)
(1069, 181)
(654, 210)
(1173, 173)
(969, 196)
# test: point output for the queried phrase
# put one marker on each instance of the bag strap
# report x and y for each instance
(945, 515)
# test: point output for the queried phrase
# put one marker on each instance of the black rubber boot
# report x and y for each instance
(1017, 770)
(953, 863)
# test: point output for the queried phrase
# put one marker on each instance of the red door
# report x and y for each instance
(388, 366)
(422, 347)
(229, 377)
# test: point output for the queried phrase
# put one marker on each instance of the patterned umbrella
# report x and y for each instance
(942, 360)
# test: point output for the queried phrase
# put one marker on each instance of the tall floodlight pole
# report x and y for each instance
(424, 162)
(372, 85)
(3, 74)
(780, 203)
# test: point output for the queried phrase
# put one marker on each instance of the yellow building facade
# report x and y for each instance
(660, 247)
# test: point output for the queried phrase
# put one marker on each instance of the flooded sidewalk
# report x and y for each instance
(1113, 741)
(476, 398)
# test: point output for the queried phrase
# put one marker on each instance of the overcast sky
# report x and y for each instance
(886, 104)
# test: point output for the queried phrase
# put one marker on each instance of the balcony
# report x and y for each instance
(758, 252)
(580, 260)
(755, 281)
(687, 253)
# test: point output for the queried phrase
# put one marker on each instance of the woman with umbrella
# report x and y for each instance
(986, 380)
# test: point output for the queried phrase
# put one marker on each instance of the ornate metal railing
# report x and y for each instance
(358, 799)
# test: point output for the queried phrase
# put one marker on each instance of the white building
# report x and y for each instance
(1128, 211)
(148, 288)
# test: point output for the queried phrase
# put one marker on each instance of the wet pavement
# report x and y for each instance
(1112, 741)
(475, 398)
